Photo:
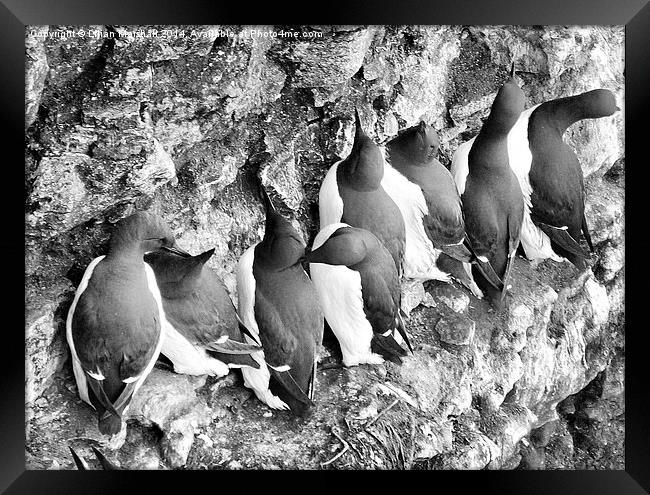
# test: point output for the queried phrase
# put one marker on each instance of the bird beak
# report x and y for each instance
(176, 250)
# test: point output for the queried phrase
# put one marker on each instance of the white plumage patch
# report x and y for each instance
(339, 293)
(280, 369)
(188, 358)
(79, 375)
(97, 376)
(519, 155)
(258, 380)
(131, 379)
(460, 165)
(535, 242)
(419, 254)
(330, 204)
(155, 292)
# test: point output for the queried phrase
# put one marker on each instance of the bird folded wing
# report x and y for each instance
(514, 235)
(386, 343)
(585, 232)
(232, 347)
(97, 387)
(289, 384)
(280, 346)
(125, 396)
(312, 379)
(457, 251)
(244, 329)
(562, 238)
(401, 328)
(485, 268)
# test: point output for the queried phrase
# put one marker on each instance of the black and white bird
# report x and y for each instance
(279, 304)
(358, 287)
(352, 193)
(425, 192)
(203, 333)
(82, 465)
(550, 175)
(114, 326)
(493, 203)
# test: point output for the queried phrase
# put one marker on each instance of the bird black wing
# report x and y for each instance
(484, 267)
(280, 347)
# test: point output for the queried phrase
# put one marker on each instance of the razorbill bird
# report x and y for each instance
(352, 193)
(358, 287)
(203, 333)
(279, 304)
(493, 203)
(550, 176)
(114, 326)
(425, 193)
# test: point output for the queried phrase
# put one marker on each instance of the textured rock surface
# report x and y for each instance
(182, 125)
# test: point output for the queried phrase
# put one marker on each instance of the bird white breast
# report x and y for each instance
(419, 254)
(339, 293)
(258, 380)
(330, 204)
(535, 242)
(460, 165)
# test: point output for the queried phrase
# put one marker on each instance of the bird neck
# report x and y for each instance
(565, 112)
(486, 151)
(497, 126)
(402, 160)
(126, 251)
(362, 175)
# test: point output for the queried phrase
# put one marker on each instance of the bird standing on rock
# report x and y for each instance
(352, 193)
(358, 288)
(425, 193)
(492, 199)
(114, 326)
(551, 177)
(203, 333)
(279, 304)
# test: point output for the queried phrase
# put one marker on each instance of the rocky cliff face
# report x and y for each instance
(181, 125)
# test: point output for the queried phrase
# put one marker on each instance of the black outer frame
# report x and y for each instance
(16, 14)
